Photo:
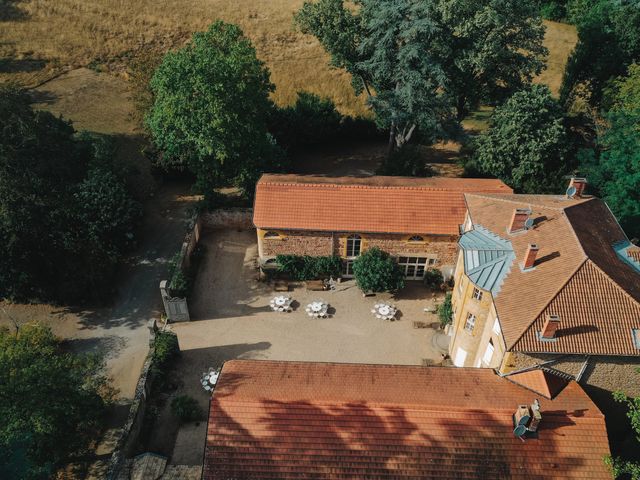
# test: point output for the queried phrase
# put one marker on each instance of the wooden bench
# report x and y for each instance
(281, 286)
(315, 285)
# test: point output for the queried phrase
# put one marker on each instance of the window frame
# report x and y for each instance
(271, 235)
(476, 294)
(353, 240)
(498, 330)
(416, 239)
(490, 347)
(472, 317)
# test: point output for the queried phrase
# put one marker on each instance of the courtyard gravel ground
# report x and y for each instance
(231, 318)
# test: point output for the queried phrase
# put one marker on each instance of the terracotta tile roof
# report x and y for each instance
(539, 381)
(291, 420)
(368, 204)
(578, 275)
(596, 316)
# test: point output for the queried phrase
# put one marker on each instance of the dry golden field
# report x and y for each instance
(43, 37)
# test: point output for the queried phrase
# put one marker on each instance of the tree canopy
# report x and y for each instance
(608, 42)
(420, 61)
(66, 217)
(526, 143)
(210, 110)
(622, 467)
(52, 403)
(376, 271)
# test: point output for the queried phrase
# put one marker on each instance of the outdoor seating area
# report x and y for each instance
(384, 311)
(281, 303)
(317, 309)
(209, 379)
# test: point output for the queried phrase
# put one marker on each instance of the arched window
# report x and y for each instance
(416, 239)
(270, 234)
(354, 244)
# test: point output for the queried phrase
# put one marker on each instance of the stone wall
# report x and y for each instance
(297, 243)
(128, 439)
(444, 248)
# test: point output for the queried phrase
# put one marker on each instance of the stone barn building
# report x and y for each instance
(416, 220)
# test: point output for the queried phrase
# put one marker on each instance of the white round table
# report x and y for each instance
(281, 303)
(384, 311)
(317, 309)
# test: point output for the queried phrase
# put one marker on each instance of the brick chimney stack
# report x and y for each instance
(550, 327)
(520, 216)
(530, 256)
(579, 184)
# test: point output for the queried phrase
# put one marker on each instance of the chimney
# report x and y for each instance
(579, 184)
(550, 327)
(530, 256)
(536, 417)
(520, 216)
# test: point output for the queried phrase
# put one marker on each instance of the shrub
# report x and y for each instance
(445, 311)
(314, 120)
(433, 278)
(309, 268)
(186, 408)
(310, 121)
(406, 162)
(166, 348)
(376, 271)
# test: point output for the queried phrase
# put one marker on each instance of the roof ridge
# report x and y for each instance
(364, 186)
(569, 278)
(497, 196)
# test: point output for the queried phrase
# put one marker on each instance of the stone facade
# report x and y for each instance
(442, 248)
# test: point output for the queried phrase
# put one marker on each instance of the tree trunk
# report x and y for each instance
(461, 111)
(392, 140)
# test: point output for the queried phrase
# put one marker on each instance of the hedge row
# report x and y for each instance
(309, 268)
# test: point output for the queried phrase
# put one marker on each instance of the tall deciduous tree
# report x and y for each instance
(613, 168)
(210, 110)
(494, 48)
(52, 403)
(418, 61)
(608, 42)
(61, 235)
(526, 143)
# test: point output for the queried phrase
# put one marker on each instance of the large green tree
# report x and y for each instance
(52, 403)
(608, 42)
(210, 110)
(420, 61)
(526, 142)
(494, 48)
(65, 216)
(621, 467)
(613, 167)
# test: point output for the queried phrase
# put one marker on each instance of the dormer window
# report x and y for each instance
(416, 239)
(271, 235)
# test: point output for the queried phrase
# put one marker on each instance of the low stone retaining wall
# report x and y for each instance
(129, 434)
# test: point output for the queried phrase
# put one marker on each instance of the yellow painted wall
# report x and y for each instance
(475, 342)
